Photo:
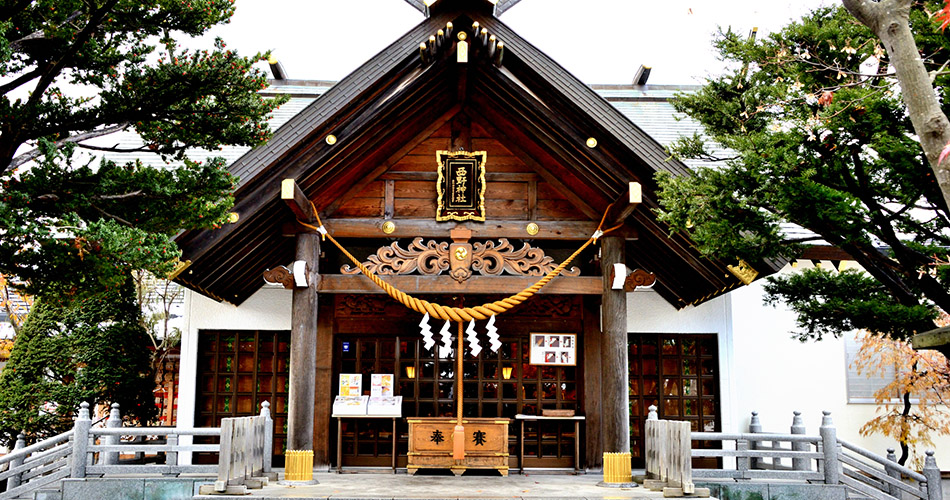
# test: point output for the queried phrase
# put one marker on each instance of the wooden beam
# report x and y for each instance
(410, 228)
(581, 285)
(298, 202)
(461, 133)
(626, 204)
(433, 176)
(824, 252)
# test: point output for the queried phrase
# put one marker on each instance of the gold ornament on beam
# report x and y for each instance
(179, 268)
(743, 271)
(532, 229)
(389, 227)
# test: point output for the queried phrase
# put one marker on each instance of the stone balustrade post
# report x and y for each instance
(829, 447)
(81, 426)
(171, 457)
(14, 480)
(798, 428)
(114, 421)
(742, 463)
(652, 414)
(932, 473)
(755, 427)
(268, 436)
(892, 472)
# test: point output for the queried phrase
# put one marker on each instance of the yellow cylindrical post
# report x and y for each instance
(617, 468)
(298, 465)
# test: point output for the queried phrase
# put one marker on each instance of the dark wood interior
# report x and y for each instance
(385, 339)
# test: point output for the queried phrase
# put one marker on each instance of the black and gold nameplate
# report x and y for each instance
(461, 185)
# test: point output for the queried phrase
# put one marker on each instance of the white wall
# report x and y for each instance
(267, 309)
(764, 369)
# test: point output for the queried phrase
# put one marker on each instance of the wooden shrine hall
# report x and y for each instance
(460, 165)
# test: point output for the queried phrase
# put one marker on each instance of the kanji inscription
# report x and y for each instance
(478, 437)
(461, 186)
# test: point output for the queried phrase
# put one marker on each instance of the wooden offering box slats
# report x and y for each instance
(431, 443)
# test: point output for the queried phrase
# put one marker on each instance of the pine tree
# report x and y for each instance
(815, 140)
(92, 350)
(74, 70)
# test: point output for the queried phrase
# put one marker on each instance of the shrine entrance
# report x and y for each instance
(374, 334)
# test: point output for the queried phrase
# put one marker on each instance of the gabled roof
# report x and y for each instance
(544, 111)
(500, 5)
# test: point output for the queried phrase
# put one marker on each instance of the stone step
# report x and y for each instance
(48, 494)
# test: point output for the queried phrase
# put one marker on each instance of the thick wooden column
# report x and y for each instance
(615, 420)
(322, 402)
(593, 400)
(303, 349)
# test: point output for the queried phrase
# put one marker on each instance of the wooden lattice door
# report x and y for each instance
(679, 374)
(237, 371)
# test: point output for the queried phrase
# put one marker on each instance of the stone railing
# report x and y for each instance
(799, 457)
(87, 451)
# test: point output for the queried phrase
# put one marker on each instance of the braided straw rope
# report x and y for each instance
(459, 314)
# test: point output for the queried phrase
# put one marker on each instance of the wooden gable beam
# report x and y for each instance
(298, 202)
(624, 206)
(491, 228)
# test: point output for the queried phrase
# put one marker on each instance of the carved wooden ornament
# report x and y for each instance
(281, 275)
(488, 259)
(630, 282)
(743, 271)
(639, 279)
(461, 185)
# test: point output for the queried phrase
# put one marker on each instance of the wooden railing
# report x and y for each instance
(245, 442)
(669, 460)
(800, 457)
(95, 451)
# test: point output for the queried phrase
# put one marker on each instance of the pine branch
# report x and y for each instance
(35, 152)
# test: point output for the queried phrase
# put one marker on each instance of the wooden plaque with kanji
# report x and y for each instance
(461, 185)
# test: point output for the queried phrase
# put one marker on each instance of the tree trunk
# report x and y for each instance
(905, 428)
(889, 20)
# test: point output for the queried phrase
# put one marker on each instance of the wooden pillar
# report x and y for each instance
(323, 389)
(615, 420)
(303, 349)
(593, 399)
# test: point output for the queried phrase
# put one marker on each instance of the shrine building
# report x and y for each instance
(460, 165)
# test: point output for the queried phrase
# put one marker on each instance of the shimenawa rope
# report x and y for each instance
(459, 314)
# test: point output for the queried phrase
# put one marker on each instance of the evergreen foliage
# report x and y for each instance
(91, 350)
(72, 231)
(824, 144)
(74, 70)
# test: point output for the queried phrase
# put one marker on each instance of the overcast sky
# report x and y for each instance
(600, 41)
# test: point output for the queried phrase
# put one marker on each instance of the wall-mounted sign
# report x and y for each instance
(461, 185)
(553, 349)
